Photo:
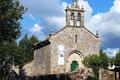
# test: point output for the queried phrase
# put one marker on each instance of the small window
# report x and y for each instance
(75, 38)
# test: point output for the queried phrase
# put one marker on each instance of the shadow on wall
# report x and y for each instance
(79, 74)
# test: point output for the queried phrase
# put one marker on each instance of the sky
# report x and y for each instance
(46, 16)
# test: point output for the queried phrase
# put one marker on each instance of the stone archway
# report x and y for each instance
(74, 61)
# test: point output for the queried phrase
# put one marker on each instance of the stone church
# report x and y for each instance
(65, 50)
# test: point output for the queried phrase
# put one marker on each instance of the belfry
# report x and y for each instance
(75, 15)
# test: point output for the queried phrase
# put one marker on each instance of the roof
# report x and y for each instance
(76, 27)
(42, 44)
(92, 33)
(47, 42)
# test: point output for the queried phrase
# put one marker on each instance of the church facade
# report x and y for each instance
(65, 50)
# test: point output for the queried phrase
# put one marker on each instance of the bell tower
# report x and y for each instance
(74, 15)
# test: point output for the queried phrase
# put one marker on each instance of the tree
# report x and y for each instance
(32, 41)
(19, 54)
(104, 60)
(11, 12)
(9, 53)
(11, 50)
(117, 58)
(97, 62)
(93, 62)
(27, 44)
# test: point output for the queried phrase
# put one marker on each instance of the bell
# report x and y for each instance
(78, 17)
(72, 16)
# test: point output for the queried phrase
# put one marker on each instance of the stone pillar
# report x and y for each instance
(82, 20)
(82, 17)
(67, 17)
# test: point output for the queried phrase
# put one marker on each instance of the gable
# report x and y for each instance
(72, 31)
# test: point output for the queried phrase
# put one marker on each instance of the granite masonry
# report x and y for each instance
(64, 51)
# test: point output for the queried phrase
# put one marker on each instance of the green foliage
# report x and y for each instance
(111, 60)
(27, 44)
(11, 12)
(117, 58)
(91, 61)
(100, 61)
(19, 54)
(104, 60)
(11, 50)
(96, 62)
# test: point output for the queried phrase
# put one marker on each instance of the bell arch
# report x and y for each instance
(72, 18)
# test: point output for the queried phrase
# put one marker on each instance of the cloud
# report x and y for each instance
(108, 24)
(36, 28)
(87, 8)
(43, 8)
(116, 6)
(111, 52)
(37, 31)
(31, 16)
(52, 15)
(59, 21)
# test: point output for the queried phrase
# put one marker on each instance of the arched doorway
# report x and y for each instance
(74, 61)
(74, 65)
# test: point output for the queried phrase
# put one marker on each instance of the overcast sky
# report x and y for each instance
(45, 16)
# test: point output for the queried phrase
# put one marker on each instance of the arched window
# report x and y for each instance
(78, 19)
(79, 16)
(71, 19)
(72, 15)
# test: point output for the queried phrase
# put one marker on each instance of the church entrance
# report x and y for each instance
(74, 65)
(74, 61)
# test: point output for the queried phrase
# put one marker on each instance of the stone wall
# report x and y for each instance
(107, 75)
(75, 48)
(42, 60)
(28, 69)
(87, 43)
